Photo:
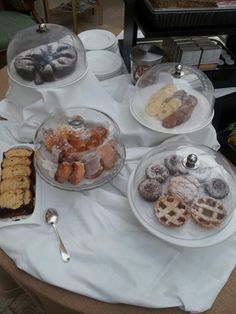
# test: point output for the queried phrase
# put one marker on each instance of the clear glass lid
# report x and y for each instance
(46, 55)
(78, 149)
(175, 99)
(183, 192)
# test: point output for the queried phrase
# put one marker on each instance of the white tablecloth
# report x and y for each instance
(113, 257)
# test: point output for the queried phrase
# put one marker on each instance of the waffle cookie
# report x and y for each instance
(17, 192)
(171, 211)
(208, 212)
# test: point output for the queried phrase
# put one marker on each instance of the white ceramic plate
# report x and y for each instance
(104, 63)
(189, 235)
(201, 115)
(96, 39)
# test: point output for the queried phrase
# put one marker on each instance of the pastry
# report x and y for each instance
(208, 212)
(46, 63)
(150, 189)
(202, 173)
(171, 104)
(185, 187)
(108, 155)
(63, 172)
(182, 114)
(154, 105)
(18, 152)
(77, 174)
(17, 170)
(171, 211)
(217, 188)
(174, 164)
(93, 166)
(17, 191)
(13, 161)
(18, 182)
(158, 172)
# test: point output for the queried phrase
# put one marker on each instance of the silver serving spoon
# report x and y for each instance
(51, 217)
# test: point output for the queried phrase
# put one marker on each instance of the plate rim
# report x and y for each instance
(90, 31)
(221, 236)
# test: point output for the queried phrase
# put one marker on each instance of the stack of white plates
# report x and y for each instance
(104, 64)
(98, 39)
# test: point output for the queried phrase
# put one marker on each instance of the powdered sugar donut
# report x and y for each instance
(174, 164)
(158, 172)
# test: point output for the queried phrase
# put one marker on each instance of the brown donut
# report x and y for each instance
(150, 189)
(217, 188)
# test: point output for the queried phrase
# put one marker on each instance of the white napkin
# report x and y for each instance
(113, 257)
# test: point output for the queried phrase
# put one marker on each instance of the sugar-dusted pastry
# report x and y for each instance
(17, 170)
(150, 189)
(174, 164)
(185, 187)
(108, 155)
(158, 172)
(182, 114)
(171, 211)
(155, 102)
(77, 174)
(217, 188)
(208, 212)
(63, 172)
(93, 166)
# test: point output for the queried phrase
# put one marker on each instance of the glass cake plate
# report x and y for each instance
(78, 149)
(190, 234)
(171, 85)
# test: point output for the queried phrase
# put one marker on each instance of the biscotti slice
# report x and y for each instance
(156, 100)
(18, 170)
(18, 182)
(16, 203)
(18, 152)
(12, 161)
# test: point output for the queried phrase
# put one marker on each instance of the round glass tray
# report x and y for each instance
(74, 137)
(190, 234)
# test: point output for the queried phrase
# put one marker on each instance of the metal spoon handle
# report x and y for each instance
(64, 254)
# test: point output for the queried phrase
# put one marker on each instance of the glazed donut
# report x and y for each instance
(158, 172)
(217, 188)
(174, 164)
(150, 189)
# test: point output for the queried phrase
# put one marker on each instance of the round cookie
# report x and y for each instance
(171, 211)
(217, 188)
(174, 164)
(158, 172)
(208, 212)
(149, 189)
(185, 187)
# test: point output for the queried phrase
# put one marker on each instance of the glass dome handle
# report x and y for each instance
(76, 122)
(191, 161)
(178, 72)
(42, 28)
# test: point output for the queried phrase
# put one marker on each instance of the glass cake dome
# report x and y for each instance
(173, 98)
(184, 193)
(78, 149)
(46, 55)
